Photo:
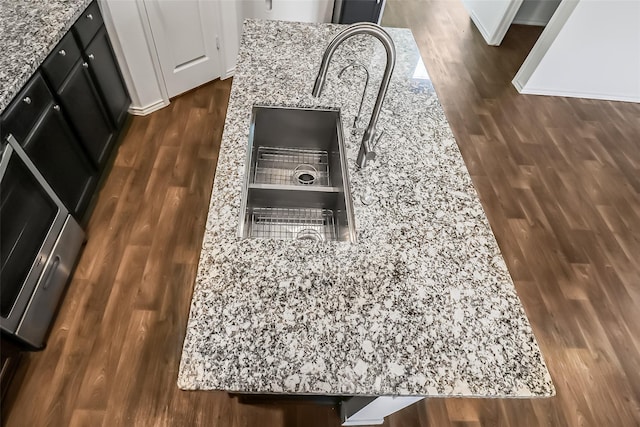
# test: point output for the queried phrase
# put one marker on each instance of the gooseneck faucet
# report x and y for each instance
(368, 139)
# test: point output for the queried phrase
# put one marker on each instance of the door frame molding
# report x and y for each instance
(151, 45)
(496, 38)
(544, 42)
(149, 101)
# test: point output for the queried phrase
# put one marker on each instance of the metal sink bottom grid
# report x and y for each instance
(276, 165)
(293, 224)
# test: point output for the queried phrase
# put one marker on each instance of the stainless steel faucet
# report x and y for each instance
(354, 64)
(368, 139)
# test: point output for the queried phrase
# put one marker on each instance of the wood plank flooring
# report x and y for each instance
(559, 180)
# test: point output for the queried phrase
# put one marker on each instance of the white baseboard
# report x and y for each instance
(518, 85)
(495, 38)
(230, 72)
(479, 26)
(532, 22)
(148, 109)
(568, 94)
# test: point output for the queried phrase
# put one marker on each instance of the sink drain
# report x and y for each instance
(309, 234)
(305, 174)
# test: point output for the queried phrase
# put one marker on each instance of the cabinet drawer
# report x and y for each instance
(43, 304)
(23, 113)
(88, 24)
(58, 64)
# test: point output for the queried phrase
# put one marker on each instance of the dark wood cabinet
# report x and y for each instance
(56, 154)
(104, 69)
(68, 118)
(351, 11)
(83, 106)
(88, 24)
(60, 62)
(38, 124)
(69, 115)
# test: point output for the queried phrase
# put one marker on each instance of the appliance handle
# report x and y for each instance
(49, 276)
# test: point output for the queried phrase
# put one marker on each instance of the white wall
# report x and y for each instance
(231, 18)
(288, 10)
(536, 12)
(492, 17)
(595, 54)
(125, 22)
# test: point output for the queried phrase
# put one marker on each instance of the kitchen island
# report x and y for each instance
(421, 304)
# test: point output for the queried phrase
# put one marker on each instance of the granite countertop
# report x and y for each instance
(29, 31)
(421, 304)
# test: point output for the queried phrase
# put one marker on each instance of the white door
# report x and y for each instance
(185, 33)
(492, 17)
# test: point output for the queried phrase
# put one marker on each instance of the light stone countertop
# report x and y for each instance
(29, 30)
(421, 304)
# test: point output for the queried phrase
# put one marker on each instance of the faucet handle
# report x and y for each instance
(375, 144)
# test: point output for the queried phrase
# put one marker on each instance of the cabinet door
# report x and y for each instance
(104, 68)
(82, 104)
(58, 156)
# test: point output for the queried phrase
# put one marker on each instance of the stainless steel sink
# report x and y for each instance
(296, 184)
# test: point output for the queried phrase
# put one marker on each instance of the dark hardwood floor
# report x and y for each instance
(559, 180)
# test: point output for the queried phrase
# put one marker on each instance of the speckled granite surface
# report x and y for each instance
(421, 304)
(29, 30)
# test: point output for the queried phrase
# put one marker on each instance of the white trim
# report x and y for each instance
(602, 96)
(117, 50)
(371, 422)
(517, 85)
(229, 73)
(221, 46)
(384, 2)
(479, 26)
(148, 109)
(151, 45)
(546, 39)
(532, 22)
(371, 410)
(495, 38)
(505, 23)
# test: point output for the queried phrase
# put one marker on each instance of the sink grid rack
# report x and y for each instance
(301, 224)
(278, 166)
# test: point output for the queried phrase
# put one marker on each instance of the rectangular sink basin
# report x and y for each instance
(296, 184)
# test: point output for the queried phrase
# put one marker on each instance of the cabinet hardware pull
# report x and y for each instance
(90, 17)
(56, 107)
(51, 272)
(85, 65)
(91, 57)
(27, 100)
(62, 52)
